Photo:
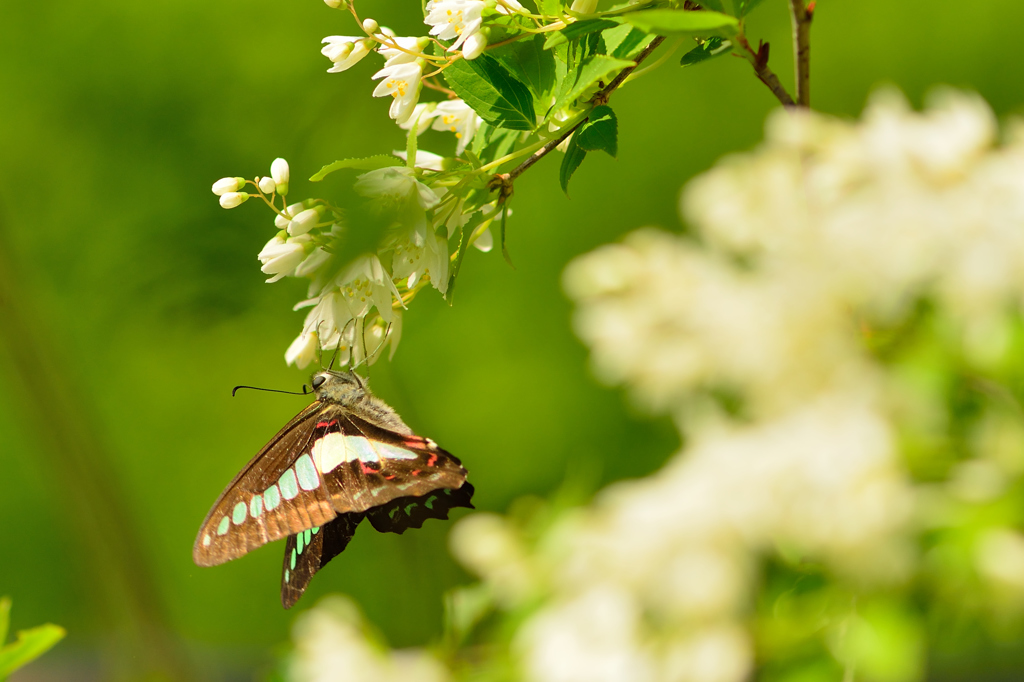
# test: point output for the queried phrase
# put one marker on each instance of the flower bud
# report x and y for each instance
(336, 4)
(370, 26)
(303, 222)
(225, 185)
(281, 221)
(584, 6)
(279, 172)
(267, 185)
(232, 199)
(474, 46)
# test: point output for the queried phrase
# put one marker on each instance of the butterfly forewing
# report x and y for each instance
(279, 493)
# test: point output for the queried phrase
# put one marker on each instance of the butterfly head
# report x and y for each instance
(344, 388)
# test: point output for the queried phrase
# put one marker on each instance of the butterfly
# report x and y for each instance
(347, 457)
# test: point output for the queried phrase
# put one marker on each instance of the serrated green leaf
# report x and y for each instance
(600, 132)
(533, 65)
(574, 156)
(552, 8)
(748, 6)
(597, 68)
(576, 30)
(367, 164)
(30, 645)
(678, 22)
(496, 95)
(482, 138)
(505, 142)
(710, 48)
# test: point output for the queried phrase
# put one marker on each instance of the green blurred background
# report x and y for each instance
(132, 303)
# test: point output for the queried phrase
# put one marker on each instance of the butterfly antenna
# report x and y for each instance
(305, 390)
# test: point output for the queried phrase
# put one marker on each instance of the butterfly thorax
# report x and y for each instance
(349, 390)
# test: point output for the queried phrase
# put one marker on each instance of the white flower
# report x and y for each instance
(474, 45)
(401, 50)
(509, 7)
(280, 173)
(422, 115)
(422, 254)
(365, 284)
(225, 185)
(345, 51)
(282, 255)
(267, 185)
(282, 220)
(584, 6)
(458, 117)
(303, 222)
(302, 350)
(395, 184)
(402, 82)
(370, 26)
(454, 19)
(232, 199)
(424, 159)
(329, 318)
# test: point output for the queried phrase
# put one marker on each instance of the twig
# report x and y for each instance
(759, 60)
(801, 15)
(503, 181)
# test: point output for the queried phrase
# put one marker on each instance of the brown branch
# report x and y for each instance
(801, 16)
(759, 60)
(503, 181)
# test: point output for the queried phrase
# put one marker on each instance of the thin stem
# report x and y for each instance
(801, 16)
(759, 60)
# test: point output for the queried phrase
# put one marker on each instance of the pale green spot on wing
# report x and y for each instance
(308, 536)
(287, 575)
(389, 451)
(300, 542)
(308, 480)
(315, 529)
(294, 554)
(238, 513)
(362, 448)
(289, 485)
(222, 527)
(272, 497)
(256, 506)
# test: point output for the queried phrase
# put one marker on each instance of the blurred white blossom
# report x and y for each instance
(456, 116)
(332, 646)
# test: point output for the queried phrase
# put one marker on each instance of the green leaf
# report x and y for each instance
(552, 8)
(533, 65)
(597, 68)
(411, 140)
(710, 48)
(574, 156)
(367, 164)
(576, 30)
(622, 42)
(30, 645)
(493, 92)
(482, 138)
(683, 22)
(600, 132)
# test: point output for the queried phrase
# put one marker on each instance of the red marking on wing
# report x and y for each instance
(432, 460)
(367, 469)
(389, 478)
(416, 472)
(326, 425)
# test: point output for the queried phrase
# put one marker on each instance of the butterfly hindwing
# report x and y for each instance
(410, 512)
(307, 552)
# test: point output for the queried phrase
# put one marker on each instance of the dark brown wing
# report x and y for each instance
(278, 493)
(410, 512)
(307, 552)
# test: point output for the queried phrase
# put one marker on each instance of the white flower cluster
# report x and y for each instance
(333, 646)
(406, 58)
(356, 307)
(830, 225)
